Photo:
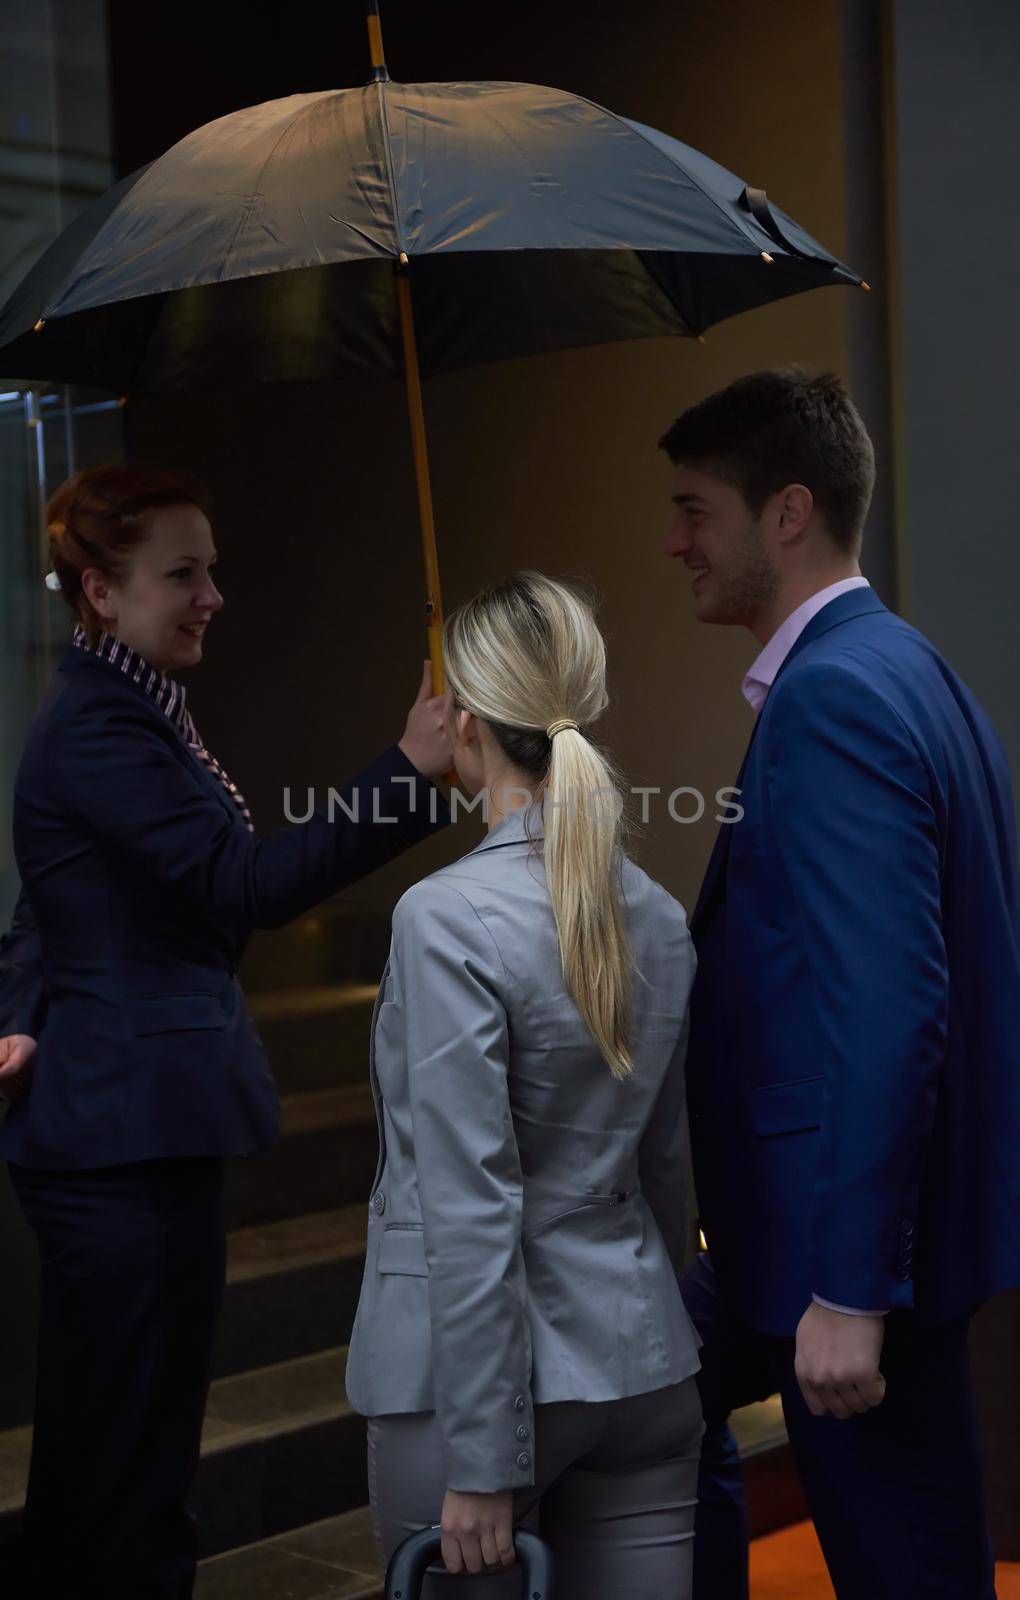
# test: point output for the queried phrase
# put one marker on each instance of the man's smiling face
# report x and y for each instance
(715, 534)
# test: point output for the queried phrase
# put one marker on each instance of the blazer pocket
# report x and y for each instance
(788, 1107)
(175, 1013)
(592, 1202)
(402, 1252)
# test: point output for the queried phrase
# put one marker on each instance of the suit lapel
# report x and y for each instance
(75, 660)
(856, 603)
(210, 779)
(716, 870)
(374, 1080)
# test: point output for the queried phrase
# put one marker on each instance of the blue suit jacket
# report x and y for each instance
(854, 1068)
(143, 885)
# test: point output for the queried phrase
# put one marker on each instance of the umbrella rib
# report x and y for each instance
(706, 194)
(249, 208)
(388, 149)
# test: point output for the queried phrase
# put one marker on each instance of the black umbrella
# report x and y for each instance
(284, 242)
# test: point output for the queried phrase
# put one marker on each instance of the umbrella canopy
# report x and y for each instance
(261, 247)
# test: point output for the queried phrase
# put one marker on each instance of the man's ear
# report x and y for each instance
(793, 508)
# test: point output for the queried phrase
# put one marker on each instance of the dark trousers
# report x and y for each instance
(896, 1494)
(133, 1262)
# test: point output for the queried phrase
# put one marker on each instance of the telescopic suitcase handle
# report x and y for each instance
(411, 1560)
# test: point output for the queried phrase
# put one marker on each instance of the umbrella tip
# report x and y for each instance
(767, 258)
(40, 324)
(865, 286)
(701, 338)
(403, 258)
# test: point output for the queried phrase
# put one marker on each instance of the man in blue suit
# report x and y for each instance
(854, 1064)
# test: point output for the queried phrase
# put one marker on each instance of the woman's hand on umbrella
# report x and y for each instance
(426, 743)
(477, 1530)
(17, 1063)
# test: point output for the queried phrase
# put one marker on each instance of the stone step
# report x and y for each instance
(316, 1036)
(759, 1428)
(331, 1560)
(326, 1158)
(339, 942)
(775, 1498)
(281, 1448)
(292, 1288)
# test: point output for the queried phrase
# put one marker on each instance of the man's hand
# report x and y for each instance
(17, 1063)
(426, 743)
(837, 1362)
(477, 1530)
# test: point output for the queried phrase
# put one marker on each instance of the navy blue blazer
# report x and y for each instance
(143, 885)
(854, 1064)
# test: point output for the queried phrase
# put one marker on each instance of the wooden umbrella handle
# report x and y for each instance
(433, 594)
(375, 44)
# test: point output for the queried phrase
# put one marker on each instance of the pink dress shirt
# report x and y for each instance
(756, 685)
(762, 675)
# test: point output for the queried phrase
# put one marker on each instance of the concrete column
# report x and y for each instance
(954, 237)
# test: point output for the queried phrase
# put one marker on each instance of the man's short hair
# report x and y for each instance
(773, 428)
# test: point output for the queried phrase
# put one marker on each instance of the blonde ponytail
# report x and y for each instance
(527, 657)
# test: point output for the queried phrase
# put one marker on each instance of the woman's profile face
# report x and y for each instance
(164, 605)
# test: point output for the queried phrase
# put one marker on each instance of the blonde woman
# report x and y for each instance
(521, 1348)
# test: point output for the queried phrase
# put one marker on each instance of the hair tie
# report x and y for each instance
(557, 727)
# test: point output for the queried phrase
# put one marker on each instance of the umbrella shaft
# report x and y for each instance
(375, 41)
(433, 596)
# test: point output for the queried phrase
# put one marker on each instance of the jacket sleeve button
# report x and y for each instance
(520, 1403)
(523, 1460)
(379, 1204)
(522, 1433)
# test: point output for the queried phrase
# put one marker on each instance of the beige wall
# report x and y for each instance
(548, 463)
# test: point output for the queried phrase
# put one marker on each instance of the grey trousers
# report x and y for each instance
(615, 1493)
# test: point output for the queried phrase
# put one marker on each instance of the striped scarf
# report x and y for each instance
(170, 698)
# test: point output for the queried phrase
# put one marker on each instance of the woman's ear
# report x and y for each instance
(99, 593)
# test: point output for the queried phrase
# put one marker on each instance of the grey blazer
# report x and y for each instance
(527, 1223)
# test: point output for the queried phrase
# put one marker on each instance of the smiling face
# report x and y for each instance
(713, 531)
(163, 606)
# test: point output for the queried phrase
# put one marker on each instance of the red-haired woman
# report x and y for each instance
(143, 879)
